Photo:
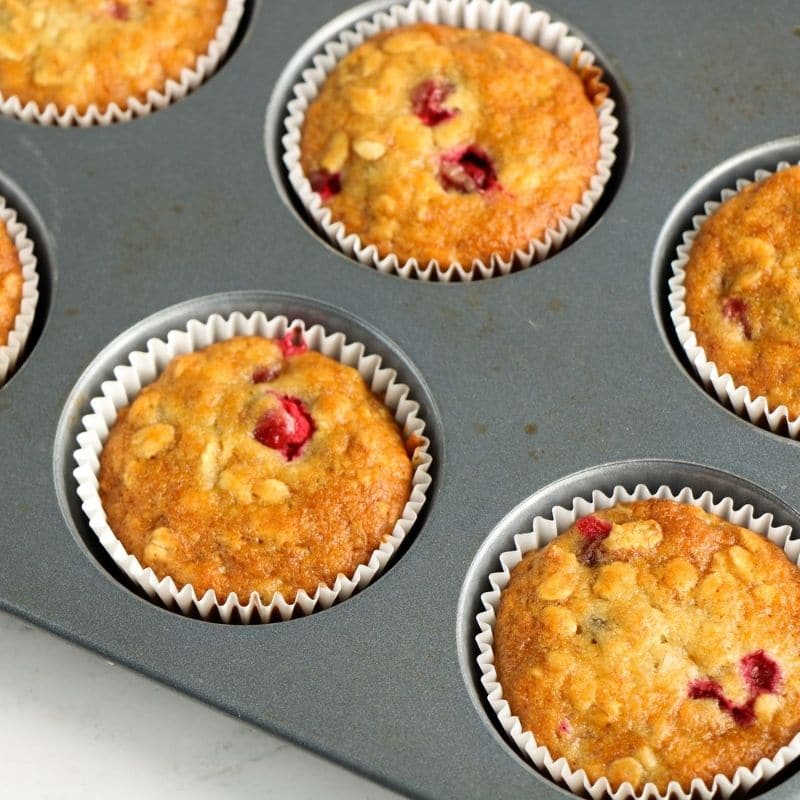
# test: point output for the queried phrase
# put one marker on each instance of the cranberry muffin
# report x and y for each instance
(10, 285)
(743, 288)
(97, 52)
(254, 466)
(653, 642)
(447, 144)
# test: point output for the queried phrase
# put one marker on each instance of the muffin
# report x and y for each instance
(742, 282)
(254, 465)
(451, 145)
(653, 642)
(82, 53)
(10, 285)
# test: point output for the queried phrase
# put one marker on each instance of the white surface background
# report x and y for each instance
(72, 726)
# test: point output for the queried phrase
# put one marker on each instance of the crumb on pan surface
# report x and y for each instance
(254, 466)
(96, 52)
(10, 285)
(432, 142)
(743, 288)
(653, 642)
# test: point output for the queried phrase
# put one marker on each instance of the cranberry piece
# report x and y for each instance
(427, 99)
(119, 10)
(594, 528)
(266, 374)
(706, 689)
(325, 184)
(760, 673)
(744, 715)
(287, 428)
(564, 728)
(467, 170)
(293, 343)
(735, 309)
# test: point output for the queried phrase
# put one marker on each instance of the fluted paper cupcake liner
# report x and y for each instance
(517, 19)
(155, 99)
(544, 530)
(755, 408)
(18, 335)
(146, 366)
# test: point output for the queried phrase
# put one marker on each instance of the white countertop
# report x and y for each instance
(75, 727)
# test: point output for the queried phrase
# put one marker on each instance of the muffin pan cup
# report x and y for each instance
(156, 98)
(495, 15)
(144, 367)
(543, 530)
(18, 335)
(523, 380)
(756, 408)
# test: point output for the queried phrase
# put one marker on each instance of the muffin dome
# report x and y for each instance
(742, 283)
(254, 466)
(448, 144)
(653, 642)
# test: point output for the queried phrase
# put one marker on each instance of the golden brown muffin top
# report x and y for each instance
(82, 52)
(444, 143)
(743, 288)
(10, 284)
(653, 642)
(254, 465)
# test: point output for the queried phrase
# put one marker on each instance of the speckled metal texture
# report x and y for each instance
(536, 386)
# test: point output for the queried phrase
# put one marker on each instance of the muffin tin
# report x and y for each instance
(535, 387)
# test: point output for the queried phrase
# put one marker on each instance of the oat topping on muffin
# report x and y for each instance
(743, 288)
(84, 52)
(255, 466)
(10, 285)
(432, 142)
(653, 642)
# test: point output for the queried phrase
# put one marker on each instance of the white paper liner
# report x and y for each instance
(143, 370)
(173, 90)
(756, 409)
(544, 530)
(18, 335)
(515, 18)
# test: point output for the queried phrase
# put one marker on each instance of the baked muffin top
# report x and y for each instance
(743, 288)
(653, 642)
(83, 52)
(443, 143)
(10, 285)
(254, 465)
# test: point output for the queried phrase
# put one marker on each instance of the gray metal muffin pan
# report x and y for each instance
(536, 386)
